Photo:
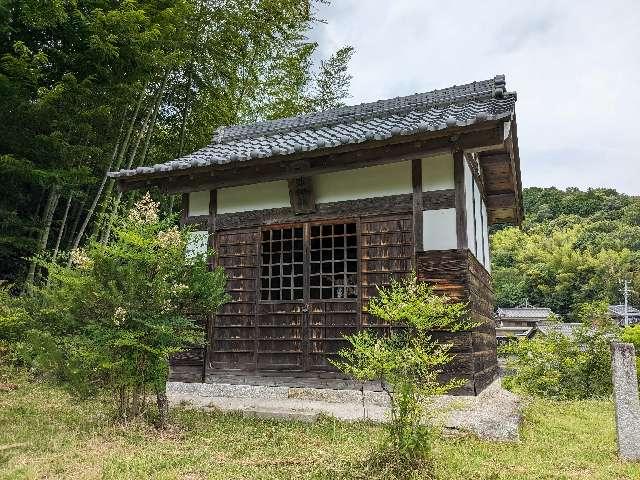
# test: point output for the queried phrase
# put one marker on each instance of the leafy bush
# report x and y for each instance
(595, 313)
(632, 335)
(15, 318)
(560, 367)
(111, 319)
(407, 362)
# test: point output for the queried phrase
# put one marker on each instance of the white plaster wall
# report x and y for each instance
(439, 229)
(468, 188)
(377, 181)
(485, 229)
(199, 203)
(479, 237)
(259, 196)
(437, 173)
(197, 243)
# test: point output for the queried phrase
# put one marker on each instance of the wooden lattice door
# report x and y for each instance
(308, 294)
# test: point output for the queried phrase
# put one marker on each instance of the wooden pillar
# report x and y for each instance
(461, 198)
(185, 209)
(211, 244)
(416, 180)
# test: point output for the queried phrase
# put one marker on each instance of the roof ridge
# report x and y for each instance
(351, 113)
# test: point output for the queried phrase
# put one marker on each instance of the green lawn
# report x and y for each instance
(45, 434)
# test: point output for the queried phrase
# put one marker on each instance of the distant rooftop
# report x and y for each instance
(524, 313)
(618, 311)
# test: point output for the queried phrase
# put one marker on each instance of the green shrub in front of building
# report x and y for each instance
(562, 367)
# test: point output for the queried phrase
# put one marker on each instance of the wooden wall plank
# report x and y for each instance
(459, 275)
(393, 204)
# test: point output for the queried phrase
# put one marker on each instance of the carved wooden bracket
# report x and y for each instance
(301, 195)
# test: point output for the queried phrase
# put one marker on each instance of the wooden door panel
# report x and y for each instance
(280, 336)
(329, 321)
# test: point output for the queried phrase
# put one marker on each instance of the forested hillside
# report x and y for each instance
(574, 247)
(88, 86)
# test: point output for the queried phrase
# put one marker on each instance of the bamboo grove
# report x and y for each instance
(89, 86)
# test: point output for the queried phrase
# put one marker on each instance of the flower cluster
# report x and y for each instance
(80, 259)
(119, 316)
(167, 306)
(179, 288)
(168, 238)
(145, 210)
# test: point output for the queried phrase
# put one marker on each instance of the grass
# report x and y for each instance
(44, 433)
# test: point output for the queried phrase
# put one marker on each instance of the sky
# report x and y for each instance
(574, 64)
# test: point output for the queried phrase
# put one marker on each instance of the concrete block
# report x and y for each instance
(627, 405)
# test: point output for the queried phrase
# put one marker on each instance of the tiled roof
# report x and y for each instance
(457, 106)
(506, 332)
(524, 313)
(618, 311)
(565, 328)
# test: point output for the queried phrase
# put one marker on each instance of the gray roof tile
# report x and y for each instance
(618, 310)
(457, 106)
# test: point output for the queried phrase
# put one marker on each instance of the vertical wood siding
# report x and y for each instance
(233, 333)
(386, 252)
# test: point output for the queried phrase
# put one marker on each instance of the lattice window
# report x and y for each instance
(334, 261)
(282, 273)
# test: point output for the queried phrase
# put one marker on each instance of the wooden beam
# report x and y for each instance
(301, 195)
(416, 179)
(461, 200)
(501, 216)
(434, 200)
(501, 200)
(292, 166)
(477, 173)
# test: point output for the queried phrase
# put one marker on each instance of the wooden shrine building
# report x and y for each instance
(309, 214)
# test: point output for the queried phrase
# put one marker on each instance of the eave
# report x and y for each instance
(502, 180)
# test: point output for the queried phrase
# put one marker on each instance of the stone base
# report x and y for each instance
(492, 415)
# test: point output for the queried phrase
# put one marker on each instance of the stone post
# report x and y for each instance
(625, 395)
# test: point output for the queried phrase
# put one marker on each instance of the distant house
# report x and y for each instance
(617, 313)
(519, 322)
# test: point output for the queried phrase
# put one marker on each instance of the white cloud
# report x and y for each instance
(575, 66)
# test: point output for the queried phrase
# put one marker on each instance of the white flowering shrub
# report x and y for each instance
(111, 320)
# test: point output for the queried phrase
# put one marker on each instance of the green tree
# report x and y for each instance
(407, 362)
(562, 367)
(111, 320)
(573, 249)
(83, 82)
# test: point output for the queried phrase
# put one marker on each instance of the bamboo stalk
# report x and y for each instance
(63, 224)
(149, 133)
(52, 202)
(117, 156)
